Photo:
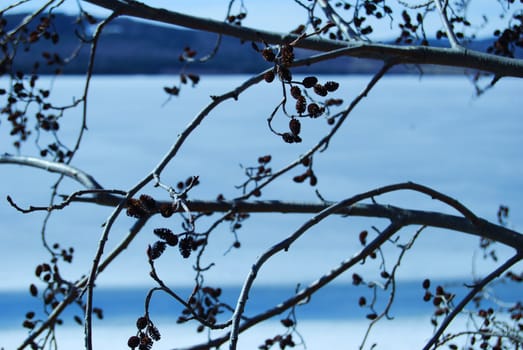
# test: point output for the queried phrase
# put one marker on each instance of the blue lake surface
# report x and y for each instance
(430, 130)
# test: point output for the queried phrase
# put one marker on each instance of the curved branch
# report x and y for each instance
(286, 243)
(403, 54)
(54, 167)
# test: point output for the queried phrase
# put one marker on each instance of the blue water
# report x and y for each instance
(334, 302)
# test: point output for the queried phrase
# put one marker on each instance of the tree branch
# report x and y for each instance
(497, 65)
(413, 217)
(442, 9)
(54, 167)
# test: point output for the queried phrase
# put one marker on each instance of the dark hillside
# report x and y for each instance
(132, 47)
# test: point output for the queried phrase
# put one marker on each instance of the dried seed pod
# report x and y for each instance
(38, 270)
(172, 90)
(135, 208)
(268, 54)
(363, 237)
(356, 279)
(264, 159)
(314, 110)
(28, 324)
(269, 76)
(185, 245)
(362, 301)
(295, 92)
(331, 86)
(295, 126)
(195, 79)
(301, 104)
(299, 178)
(440, 290)
(333, 102)
(309, 82)
(306, 161)
(164, 233)
(153, 332)
(287, 322)
(426, 283)
(288, 137)
(313, 180)
(287, 55)
(148, 202)
(156, 250)
(133, 342)
(33, 290)
(141, 322)
(284, 73)
(320, 90)
(98, 312)
(166, 210)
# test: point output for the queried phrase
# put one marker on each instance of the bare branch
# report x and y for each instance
(334, 17)
(412, 217)
(54, 167)
(66, 202)
(497, 65)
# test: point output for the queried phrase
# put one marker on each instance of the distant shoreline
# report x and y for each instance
(130, 47)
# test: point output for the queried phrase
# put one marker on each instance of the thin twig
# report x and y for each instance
(334, 17)
(103, 239)
(448, 27)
